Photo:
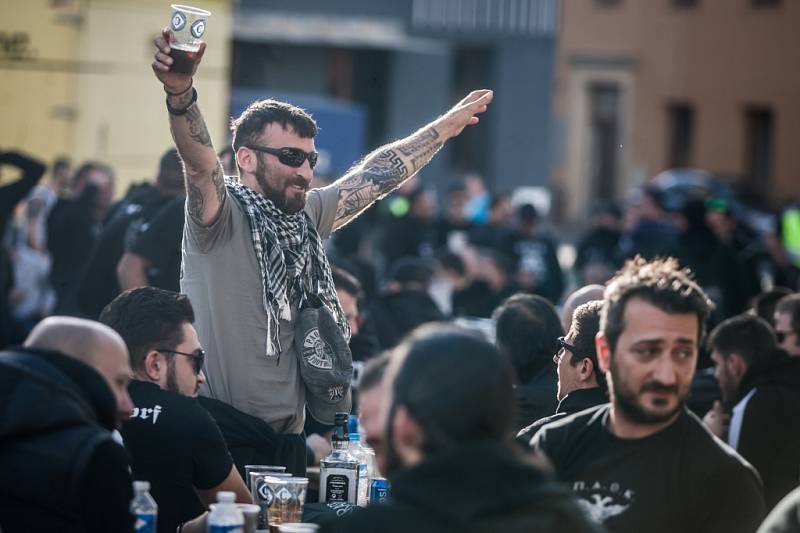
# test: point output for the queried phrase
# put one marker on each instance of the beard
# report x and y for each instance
(280, 197)
(172, 381)
(628, 400)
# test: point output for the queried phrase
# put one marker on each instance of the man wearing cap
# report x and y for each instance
(252, 248)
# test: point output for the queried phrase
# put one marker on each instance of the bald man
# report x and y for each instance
(580, 296)
(62, 394)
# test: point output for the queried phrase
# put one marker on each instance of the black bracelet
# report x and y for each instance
(179, 112)
(179, 92)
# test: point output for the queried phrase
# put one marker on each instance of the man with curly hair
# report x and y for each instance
(644, 462)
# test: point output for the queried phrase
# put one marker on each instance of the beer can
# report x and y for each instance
(378, 490)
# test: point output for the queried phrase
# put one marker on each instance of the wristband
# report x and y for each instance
(179, 112)
(179, 92)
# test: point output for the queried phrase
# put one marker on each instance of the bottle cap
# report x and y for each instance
(224, 496)
(340, 419)
(141, 486)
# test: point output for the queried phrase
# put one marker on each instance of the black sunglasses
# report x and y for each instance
(293, 157)
(198, 357)
(562, 343)
(781, 335)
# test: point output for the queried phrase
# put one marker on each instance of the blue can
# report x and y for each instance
(378, 490)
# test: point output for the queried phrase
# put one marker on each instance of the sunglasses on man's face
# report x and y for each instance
(198, 357)
(782, 335)
(293, 157)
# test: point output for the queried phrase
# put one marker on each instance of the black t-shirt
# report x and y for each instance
(176, 446)
(159, 241)
(679, 479)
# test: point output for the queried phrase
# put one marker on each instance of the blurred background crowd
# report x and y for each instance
(656, 127)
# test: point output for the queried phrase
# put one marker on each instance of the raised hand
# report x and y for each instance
(464, 113)
(163, 64)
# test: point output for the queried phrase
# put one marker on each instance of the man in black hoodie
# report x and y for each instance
(760, 383)
(528, 329)
(448, 457)
(62, 395)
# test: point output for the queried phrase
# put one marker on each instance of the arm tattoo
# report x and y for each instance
(219, 182)
(197, 126)
(421, 148)
(383, 172)
(194, 202)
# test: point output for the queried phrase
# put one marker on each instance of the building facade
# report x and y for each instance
(77, 81)
(397, 65)
(647, 85)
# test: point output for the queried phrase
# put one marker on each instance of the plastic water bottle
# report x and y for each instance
(225, 517)
(144, 508)
(357, 450)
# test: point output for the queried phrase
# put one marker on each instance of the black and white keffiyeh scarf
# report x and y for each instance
(290, 254)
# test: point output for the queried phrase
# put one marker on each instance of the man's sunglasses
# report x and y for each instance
(198, 357)
(293, 157)
(563, 345)
(782, 335)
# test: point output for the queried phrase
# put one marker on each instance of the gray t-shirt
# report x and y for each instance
(220, 275)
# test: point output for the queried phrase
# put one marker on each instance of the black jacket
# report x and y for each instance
(538, 397)
(766, 419)
(397, 313)
(482, 487)
(56, 449)
(575, 401)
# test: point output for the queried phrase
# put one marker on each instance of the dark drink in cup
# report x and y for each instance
(182, 58)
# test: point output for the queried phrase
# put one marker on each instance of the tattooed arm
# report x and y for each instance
(205, 186)
(389, 166)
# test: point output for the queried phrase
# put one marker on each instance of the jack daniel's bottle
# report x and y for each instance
(339, 479)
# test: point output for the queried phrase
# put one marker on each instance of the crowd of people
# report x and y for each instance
(222, 314)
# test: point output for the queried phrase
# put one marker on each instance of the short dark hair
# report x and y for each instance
(791, 305)
(170, 170)
(345, 281)
(455, 385)
(147, 318)
(373, 372)
(660, 282)
(749, 336)
(527, 331)
(81, 175)
(764, 304)
(452, 262)
(249, 126)
(411, 271)
(586, 323)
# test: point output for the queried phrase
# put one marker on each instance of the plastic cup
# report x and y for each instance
(188, 24)
(260, 469)
(265, 495)
(292, 506)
